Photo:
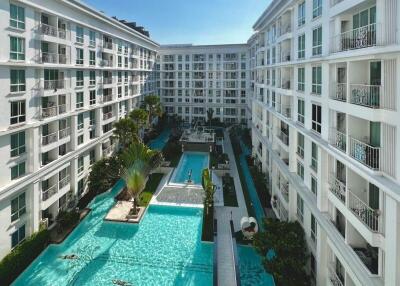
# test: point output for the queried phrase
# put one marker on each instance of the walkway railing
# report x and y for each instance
(235, 256)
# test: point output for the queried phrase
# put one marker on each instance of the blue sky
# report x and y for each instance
(189, 21)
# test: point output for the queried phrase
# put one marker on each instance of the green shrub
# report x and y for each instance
(68, 219)
(172, 152)
(21, 256)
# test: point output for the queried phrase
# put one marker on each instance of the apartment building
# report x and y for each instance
(194, 80)
(325, 127)
(67, 73)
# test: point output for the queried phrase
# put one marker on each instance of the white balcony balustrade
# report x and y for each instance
(358, 38)
(49, 192)
(334, 277)
(365, 153)
(52, 31)
(365, 95)
(64, 182)
(50, 138)
(338, 139)
(53, 58)
(337, 187)
(54, 84)
(64, 133)
(339, 91)
(370, 217)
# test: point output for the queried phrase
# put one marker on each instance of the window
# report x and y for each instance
(300, 111)
(92, 58)
(300, 208)
(92, 97)
(79, 56)
(80, 165)
(81, 187)
(18, 170)
(17, 144)
(80, 139)
(92, 38)
(18, 236)
(314, 156)
(313, 229)
(300, 144)
(300, 170)
(79, 100)
(92, 78)
(17, 49)
(316, 118)
(301, 46)
(17, 112)
(300, 79)
(317, 42)
(314, 185)
(79, 78)
(301, 19)
(18, 207)
(316, 80)
(80, 121)
(317, 8)
(92, 117)
(119, 61)
(17, 80)
(17, 17)
(92, 157)
(79, 35)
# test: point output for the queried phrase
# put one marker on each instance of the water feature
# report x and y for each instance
(190, 167)
(164, 249)
(252, 271)
(159, 142)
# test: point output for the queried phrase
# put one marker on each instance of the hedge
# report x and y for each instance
(22, 255)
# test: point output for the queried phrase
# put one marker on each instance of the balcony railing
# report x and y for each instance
(62, 108)
(365, 95)
(64, 133)
(286, 110)
(338, 139)
(107, 80)
(48, 111)
(284, 137)
(358, 38)
(63, 182)
(50, 138)
(52, 31)
(339, 91)
(54, 84)
(107, 115)
(365, 213)
(337, 187)
(53, 58)
(107, 150)
(48, 193)
(106, 98)
(108, 45)
(334, 277)
(365, 153)
(106, 63)
(335, 2)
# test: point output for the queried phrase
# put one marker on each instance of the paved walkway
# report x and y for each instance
(226, 264)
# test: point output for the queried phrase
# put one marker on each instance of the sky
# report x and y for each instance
(196, 22)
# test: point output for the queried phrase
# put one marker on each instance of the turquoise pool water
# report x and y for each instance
(159, 142)
(251, 269)
(164, 249)
(190, 161)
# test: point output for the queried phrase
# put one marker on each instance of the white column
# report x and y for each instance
(392, 235)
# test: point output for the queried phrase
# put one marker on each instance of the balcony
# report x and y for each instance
(283, 186)
(107, 150)
(336, 279)
(48, 30)
(335, 2)
(107, 80)
(50, 138)
(283, 135)
(358, 38)
(370, 217)
(108, 45)
(54, 84)
(107, 115)
(52, 110)
(63, 182)
(337, 187)
(64, 133)
(53, 58)
(365, 95)
(107, 98)
(49, 192)
(339, 92)
(364, 153)
(106, 63)
(338, 139)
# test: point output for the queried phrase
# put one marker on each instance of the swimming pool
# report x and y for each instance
(164, 249)
(251, 269)
(190, 161)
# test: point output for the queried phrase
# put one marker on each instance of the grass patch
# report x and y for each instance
(237, 152)
(229, 191)
(151, 186)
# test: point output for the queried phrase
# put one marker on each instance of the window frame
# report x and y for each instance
(316, 80)
(19, 149)
(301, 46)
(317, 119)
(317, 41)
(20, 239)
(79, 35)
(19, 23)
(20, 117)
(19, 85)
(19, 53)
(301, 14)
(317, 8)
(21, 207)
(300, 107)
(20, 170)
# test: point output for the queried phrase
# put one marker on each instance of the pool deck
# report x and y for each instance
(226, 264)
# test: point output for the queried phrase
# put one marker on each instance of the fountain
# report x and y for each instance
(190, 176)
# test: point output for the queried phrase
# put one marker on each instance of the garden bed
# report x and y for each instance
(172, 151)
(229, 191)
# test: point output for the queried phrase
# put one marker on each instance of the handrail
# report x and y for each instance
(235, 255)
(365, 213)
(49, 138)
(366, 95)
(337, 187)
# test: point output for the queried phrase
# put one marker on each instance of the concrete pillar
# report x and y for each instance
(35, 199)
(392, 235)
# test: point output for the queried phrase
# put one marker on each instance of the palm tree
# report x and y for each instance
(126, 131)
(138, 161)
(153, 105)
(210, 113)
(140, 117)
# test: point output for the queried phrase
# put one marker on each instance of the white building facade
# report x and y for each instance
(325, 130)
(196, 79)
(67, 73)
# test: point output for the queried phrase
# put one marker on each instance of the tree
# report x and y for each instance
(153, 106)
(283, 247)
(125, 130)
(138, 161)
(210, 113)
(140, 117)
(209, 189)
